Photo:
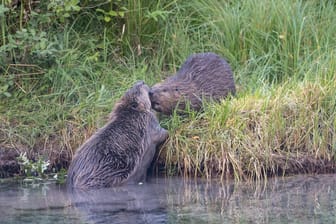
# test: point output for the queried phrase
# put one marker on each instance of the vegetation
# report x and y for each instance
(63, 64)
(31, 168)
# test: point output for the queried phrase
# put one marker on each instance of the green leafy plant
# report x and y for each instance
(33, 169)
(60, 176)
(5, 84)
(63, 9)
(107, 15)
(29, 43)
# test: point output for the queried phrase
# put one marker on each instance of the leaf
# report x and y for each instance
(113, 13)
(121, 14)
(107, 19)
(100, 10)
(155, 15)
(3, 10)
(43, 44)
(7, 94)
(76, 8)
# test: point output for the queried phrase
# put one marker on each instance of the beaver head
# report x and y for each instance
(204, 76)
(173, 94)
(135, 99)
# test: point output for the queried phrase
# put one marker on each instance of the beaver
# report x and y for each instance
(121, 151)
(203, 76)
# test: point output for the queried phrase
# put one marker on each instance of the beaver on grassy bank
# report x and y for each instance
(203, 76)
(123, 149)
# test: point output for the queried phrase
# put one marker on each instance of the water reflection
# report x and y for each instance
(299, 199)
(127, 204)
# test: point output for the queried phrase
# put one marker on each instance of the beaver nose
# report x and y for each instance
(150, 93)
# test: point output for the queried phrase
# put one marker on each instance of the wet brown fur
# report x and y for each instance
(122, 150)
(204, 76)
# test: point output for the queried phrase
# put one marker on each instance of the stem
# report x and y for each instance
(105, 46)
(21, 14)
(3, 24)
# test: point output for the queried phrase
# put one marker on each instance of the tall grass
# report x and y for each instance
(282, 53)
(283, 120)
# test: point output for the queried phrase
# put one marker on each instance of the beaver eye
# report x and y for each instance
(134, 105)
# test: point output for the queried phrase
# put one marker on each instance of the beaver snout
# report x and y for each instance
(151, 96)
(155, 105)
(154, 101)
(150, 93)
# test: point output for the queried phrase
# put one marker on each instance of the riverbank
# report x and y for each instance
(62, 70)
(289, 130)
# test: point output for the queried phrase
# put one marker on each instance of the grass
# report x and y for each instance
(64, 82)
(287, 131)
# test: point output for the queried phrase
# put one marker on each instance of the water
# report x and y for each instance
(298, 199)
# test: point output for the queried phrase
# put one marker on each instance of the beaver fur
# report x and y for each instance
(203, 76)
(122, 150)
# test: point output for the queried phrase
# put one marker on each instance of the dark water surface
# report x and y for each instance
(298, 199)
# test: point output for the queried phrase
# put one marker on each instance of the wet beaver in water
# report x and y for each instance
(203, 76)
(122, 150)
